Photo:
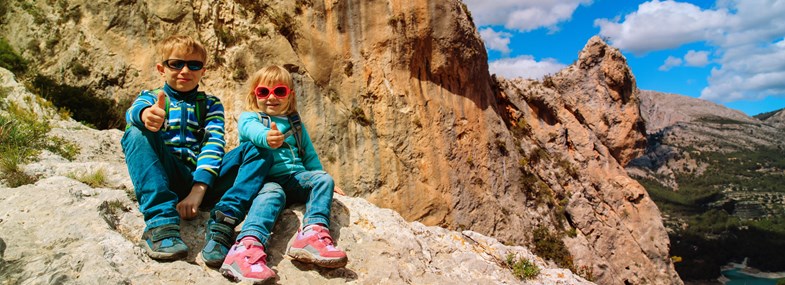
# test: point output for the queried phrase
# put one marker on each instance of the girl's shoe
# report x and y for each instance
(164, 243)
(247, 261)
(315, 245)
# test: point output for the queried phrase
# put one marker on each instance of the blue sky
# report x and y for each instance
(731, 52)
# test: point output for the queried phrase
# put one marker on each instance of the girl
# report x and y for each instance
(295, 177)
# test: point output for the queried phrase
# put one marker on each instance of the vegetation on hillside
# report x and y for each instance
(764, 116)
(730, 211)
(23, 135)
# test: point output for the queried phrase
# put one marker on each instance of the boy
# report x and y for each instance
(174, 149)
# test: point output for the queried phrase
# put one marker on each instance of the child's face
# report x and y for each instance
(184, 79)
(273, 99)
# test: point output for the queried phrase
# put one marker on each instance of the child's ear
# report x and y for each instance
(160, 68)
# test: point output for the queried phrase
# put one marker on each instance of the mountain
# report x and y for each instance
(403, 112)
(716, 174)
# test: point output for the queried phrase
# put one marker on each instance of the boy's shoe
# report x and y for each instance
(219, 237)
(315, 245)
(247, 261)
(164, 243)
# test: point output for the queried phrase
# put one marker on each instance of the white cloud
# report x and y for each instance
(748, 72)
(661, 25)
(498, 41)
(745, 35)
(525, 66)
(670, 62)
(696, 58)
(523, 15)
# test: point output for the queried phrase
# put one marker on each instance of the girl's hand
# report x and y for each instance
(274, 136)
(187, 207)
(338, 191)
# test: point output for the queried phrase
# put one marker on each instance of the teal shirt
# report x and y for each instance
(287, 158)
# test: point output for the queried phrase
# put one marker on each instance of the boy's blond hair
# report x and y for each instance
(270, 76)
(182, 43)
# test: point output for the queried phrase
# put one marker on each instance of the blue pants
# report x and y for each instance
(314, 188)
(161, 180)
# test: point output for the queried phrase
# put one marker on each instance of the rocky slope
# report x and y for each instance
(62, 231)
(403, 112)
(677, 124)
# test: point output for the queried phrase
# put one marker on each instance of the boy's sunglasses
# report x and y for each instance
(178, 64)
(280, 91)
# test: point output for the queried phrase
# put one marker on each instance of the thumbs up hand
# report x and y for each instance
(274, 136)
(155, 115)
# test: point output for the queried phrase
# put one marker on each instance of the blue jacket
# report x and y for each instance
(287, 159)
(205, 159)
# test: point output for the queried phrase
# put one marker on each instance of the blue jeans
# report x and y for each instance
(161, 180)
(314, 188)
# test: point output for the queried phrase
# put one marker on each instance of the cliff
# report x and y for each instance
(403, 112)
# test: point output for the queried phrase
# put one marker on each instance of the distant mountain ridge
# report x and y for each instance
(716, 174)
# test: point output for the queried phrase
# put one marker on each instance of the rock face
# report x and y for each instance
(584, 121)
(403, 112)
(62, 231)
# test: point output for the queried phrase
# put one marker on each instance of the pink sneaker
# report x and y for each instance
(246, 261)
(315, 245)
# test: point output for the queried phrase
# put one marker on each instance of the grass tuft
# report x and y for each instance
(95, 179)
(522, 268)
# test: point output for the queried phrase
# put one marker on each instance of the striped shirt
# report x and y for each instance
(204, 159)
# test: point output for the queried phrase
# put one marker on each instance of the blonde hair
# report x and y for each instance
(270, 76)
(180, 43)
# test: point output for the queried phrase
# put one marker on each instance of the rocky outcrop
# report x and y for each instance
(567, 121)
(777, 119)
(62, 231)
(403, 112)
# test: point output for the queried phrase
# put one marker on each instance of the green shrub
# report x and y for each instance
(550, 246)
(359, 116)
(79, 70)
(11, 60)
(522, 268)
(22, 137)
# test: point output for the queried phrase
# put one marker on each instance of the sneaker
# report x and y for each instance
(219, 237)
(315, 245)
(164, 243)
(247, 261)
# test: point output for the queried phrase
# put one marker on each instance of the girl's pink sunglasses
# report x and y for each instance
(279, 91)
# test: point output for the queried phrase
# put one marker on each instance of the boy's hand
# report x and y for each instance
(188, 206)
(338, 191)
(155, 115)
(274, 136)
